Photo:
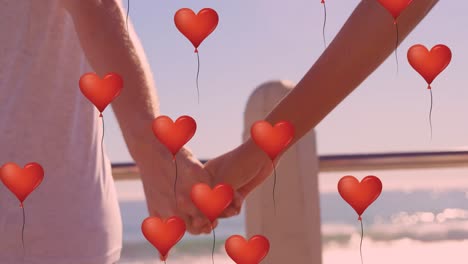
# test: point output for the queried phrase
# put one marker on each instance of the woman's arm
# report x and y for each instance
(100, 25)
(364, 42)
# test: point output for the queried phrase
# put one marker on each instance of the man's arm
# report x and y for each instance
(100, 25)
(108, 48)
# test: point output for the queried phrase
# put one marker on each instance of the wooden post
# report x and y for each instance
(294, 232)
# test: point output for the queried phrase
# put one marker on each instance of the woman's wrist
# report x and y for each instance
(255, 158)
(253, 153)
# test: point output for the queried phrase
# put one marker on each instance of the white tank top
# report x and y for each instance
(73, 217)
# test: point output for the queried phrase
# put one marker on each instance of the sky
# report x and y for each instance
(258, 41)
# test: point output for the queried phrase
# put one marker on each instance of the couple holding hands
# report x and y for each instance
(74, 216)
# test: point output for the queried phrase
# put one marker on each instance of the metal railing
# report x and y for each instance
(354, 162)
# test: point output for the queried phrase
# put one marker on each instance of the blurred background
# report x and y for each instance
(422, 215)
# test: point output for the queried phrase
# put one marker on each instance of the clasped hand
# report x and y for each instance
(241, 168)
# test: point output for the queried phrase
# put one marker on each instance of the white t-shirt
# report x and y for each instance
(73, 217)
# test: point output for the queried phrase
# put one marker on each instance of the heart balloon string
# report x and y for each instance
(214, 243)
(324, 23)
(174, 135)
(430, 111)
(22, 182)
(395, 8)
(429, 64)
(196, 28)
(102, 141)
(175, 180)
(362, 236)
(212, 202)
(274, 186)
(198, 74)
(396, 45)
(360, 195)
(22, 229)
(128, 12)
(101, 92)
(272, 140)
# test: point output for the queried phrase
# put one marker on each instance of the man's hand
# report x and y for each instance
(158, 183)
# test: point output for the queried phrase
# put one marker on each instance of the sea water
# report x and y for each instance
(420, 217)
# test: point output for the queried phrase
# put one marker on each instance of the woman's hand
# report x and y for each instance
(244, 168)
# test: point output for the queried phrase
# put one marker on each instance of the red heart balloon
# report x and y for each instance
(270, 139)
(429, 63)
(395, 7)
(212, 202)
(247, 252)
(196, 27)
(19, 181)
(174, 135)
(359, 194)
(163, 234)
(101, 92)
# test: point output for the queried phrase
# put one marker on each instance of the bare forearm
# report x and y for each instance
(364, 42)
(101, 29)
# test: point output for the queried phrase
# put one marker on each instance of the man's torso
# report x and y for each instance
(44, 118)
